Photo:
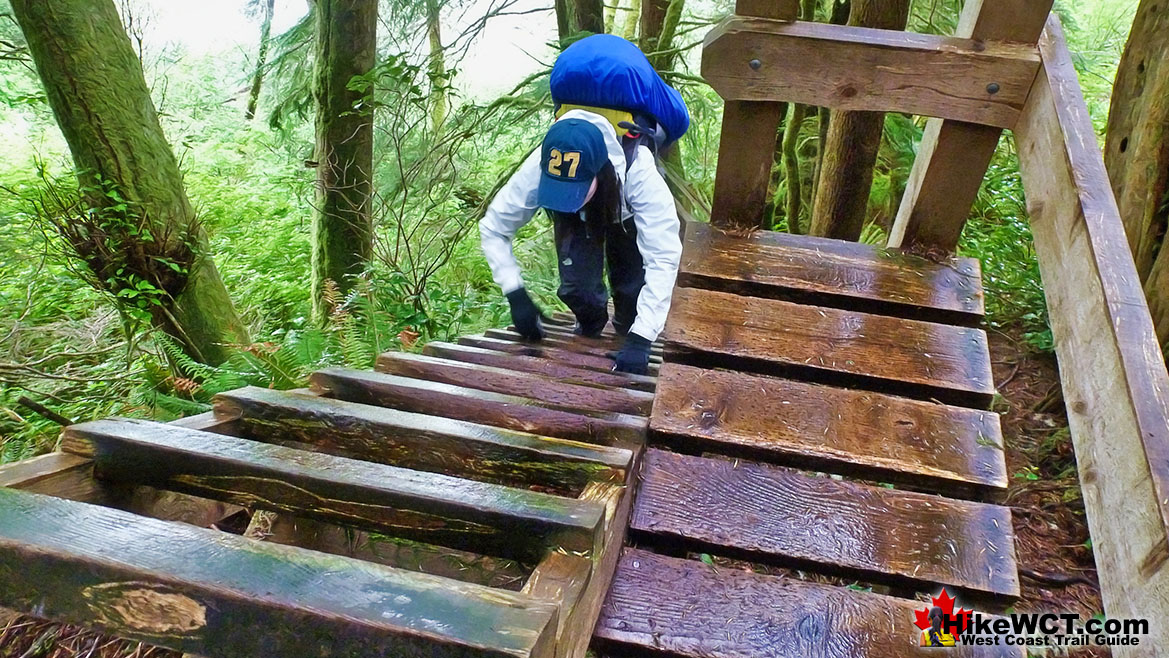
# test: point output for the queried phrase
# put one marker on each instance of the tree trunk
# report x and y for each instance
(659, 23)
(791, 165)
(436, 67)
(854, 138)
(773, 209)
(140, 239)
(261, 59)
(611, 12)
(837, 15)
(342, 235)
(576, 16)
(631, 20)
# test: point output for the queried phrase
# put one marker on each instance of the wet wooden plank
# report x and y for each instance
(538, 366)
(599, 348)
(859, 278)
(606, 340)
(217, 594)
(826, 345)
(665, 606)
(482, 407)
(783, 516)
(420, 442)
(872, 435)
(510, 382)
(543, 351)
(438, 509)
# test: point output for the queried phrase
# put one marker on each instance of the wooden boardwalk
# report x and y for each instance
(823, 410)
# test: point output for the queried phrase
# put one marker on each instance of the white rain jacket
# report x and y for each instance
(646, 196)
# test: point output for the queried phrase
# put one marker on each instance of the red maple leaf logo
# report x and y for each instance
(946, 603)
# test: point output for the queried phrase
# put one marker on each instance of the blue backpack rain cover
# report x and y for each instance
(607, 71)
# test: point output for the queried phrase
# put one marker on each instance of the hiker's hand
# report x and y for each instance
(634, 355)
(524, 315)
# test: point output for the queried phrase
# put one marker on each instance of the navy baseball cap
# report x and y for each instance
(571, 156)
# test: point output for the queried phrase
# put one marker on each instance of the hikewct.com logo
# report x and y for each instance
(941, 626)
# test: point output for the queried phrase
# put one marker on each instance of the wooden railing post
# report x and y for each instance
(953, 157)
(747, 145)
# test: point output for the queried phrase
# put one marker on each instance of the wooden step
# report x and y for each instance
(909, 357)
(609, 340)
(871, 435)
(419, 442)
(602, 348)
(482, 407)
(538, 366)
(824, 272)
(430, 507)
(511, 382)
(543, 351)
(217, 594)
(779, 515)
(669, 607)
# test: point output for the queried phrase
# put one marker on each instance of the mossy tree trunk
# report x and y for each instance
(140, 237)
(850, 153)
(576, 16)
(342, 231)
(436, 67)
(269, 7)
(659, 24)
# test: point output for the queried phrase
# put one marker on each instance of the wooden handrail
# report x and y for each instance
(1111, 366)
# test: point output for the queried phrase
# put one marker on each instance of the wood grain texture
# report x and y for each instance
(26, 473)
(419, 442)
(953, 157)
(1114, 380)
(543, 351)
(482, 407)
(746, 149)
(664, 606)
(857, 68)
(219, 595)
(610, 342)
(877, 436)
(794, 268)
(910, 357)
(780, 9)
(538, 366)
(511, 382)
(437, 509)
(603, 348)
(822, 524)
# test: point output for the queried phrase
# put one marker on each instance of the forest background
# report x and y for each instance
(447, 133)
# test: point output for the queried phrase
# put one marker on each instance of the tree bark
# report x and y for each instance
(631, 20)
(436, 67)
(854, 138)
(659, 23)
(140, 229)
(791, 165)
(576, 16)
(342, 235)
(261, 59)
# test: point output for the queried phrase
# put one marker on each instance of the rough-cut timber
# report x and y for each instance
(664, 606)
(430, 507)
(507, 411)
(826, 272)
(220, 595)
(511, 382)
(603, 347)
(576, 359)
(1114, 380)
(818, 523)
(920, 359)
(419, 442)
(860, 68)
(872, 435)
(538, 366)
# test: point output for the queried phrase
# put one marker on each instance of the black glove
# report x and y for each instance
(524, 315)
(634, 355)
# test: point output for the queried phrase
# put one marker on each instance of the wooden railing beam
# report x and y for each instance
(857, 68)
(954, 156)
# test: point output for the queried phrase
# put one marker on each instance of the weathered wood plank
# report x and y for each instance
(856, 68)
(954, 155)
(419, 442)
(791, 267)
(482, 407)
(872, 435)
(1114, 380)
(538, 366)
(819, 523)
(24, 474)
(573, 344)
(607, 341)
(438, 509)
(543, 351)
(910, 357)
(666, 606)
(220, 595)
(510, 382)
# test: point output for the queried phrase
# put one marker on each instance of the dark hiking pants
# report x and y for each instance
(582, 252)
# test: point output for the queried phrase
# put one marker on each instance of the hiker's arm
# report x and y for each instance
(512, 207)
(657, 240)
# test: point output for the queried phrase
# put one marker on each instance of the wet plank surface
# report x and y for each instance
(907, 357)
(664, 606)
(833, 273)
(792, 519)
(544, 351)
(416, 441)
(603, 347)
(429, 507)
(539, 366)
(217, 594)
(483, 407)
(854, 432)
(511, 382)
